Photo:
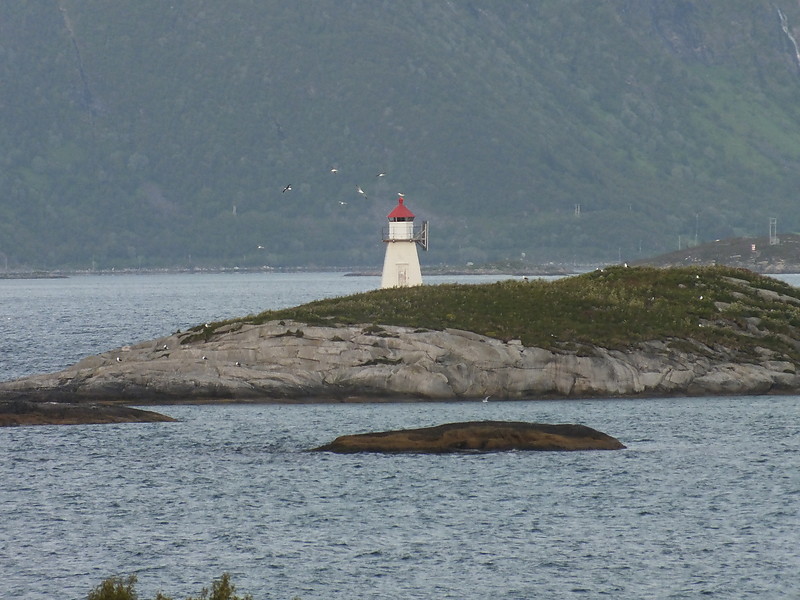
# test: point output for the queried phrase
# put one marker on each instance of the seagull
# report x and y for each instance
(238, 364)
(260, 247)
(401, 195)
(204, 358)
(334, 170)
(287, 188)
(381, 174)
(119, 359)
(362, 192)
(486, 399)
(165, 347)
(342, 202)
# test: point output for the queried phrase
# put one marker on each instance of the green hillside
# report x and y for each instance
(157, 133)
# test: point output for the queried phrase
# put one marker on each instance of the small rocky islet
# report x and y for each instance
(621, 332)
(20, 412)
(476, 436)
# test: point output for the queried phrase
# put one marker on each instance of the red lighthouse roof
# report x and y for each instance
(400, 211)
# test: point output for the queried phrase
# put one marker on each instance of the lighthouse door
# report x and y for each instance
(402, 275)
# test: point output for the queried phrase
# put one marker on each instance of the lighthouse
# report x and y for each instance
(401, 263)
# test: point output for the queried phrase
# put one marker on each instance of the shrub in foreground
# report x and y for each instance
(123, 588)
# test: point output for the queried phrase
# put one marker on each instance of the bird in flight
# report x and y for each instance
(362, 192)
(381, 174)
(287, 188)
(342, 202)
(334, 170)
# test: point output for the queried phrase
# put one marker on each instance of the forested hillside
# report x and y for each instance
(162, 133)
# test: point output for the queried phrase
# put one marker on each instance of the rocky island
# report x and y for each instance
(483, 436)
(617, 331)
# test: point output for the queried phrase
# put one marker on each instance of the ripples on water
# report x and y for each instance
(703, 502)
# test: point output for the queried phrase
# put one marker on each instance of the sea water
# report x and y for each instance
(705, 500)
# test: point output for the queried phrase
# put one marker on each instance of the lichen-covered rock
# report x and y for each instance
(487, 436)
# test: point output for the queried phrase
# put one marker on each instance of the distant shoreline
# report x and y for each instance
(766, 261)
(32, 275)
(533, 271)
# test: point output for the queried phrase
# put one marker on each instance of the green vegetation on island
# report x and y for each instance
(616, 307)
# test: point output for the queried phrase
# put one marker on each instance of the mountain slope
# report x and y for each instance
(162, 134)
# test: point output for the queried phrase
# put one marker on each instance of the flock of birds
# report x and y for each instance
(334, 171)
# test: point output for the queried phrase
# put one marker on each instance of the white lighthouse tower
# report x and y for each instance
(401, 263)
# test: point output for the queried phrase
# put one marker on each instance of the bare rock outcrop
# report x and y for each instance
(291, 361)
(486, 436)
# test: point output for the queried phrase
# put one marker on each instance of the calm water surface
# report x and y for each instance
(705, 501)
